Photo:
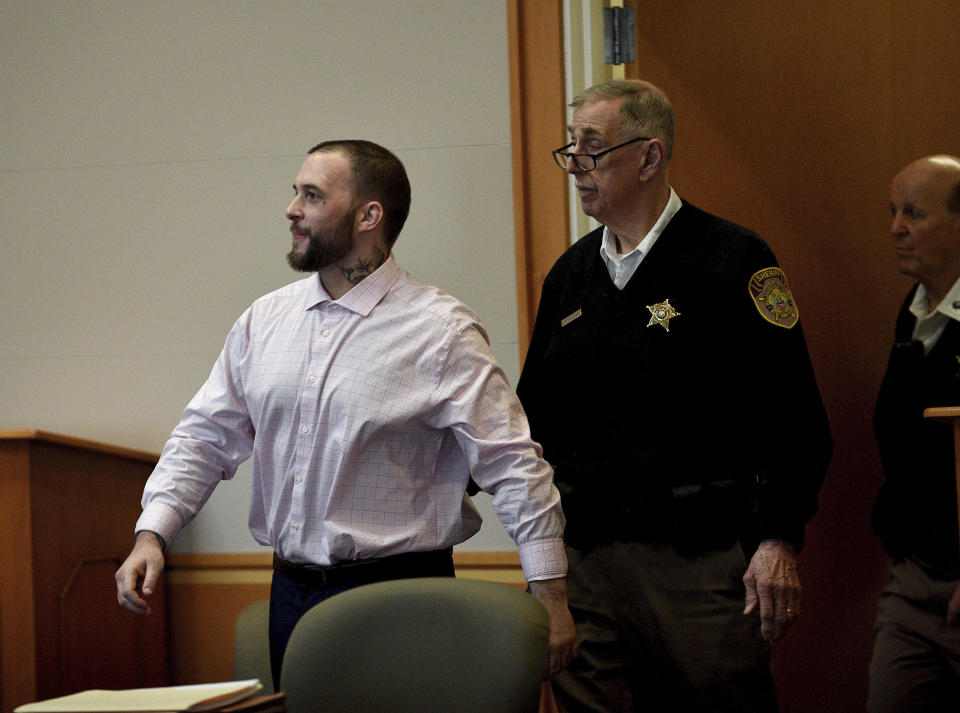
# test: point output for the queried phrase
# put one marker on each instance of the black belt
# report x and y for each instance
(435, 563)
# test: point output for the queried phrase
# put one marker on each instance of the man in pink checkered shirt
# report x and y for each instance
(367, 401)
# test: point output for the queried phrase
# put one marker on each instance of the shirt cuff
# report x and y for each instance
(543, 559)
(161, 519)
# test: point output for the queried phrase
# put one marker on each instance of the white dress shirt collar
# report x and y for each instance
(622, 266)
(930, 325)
(363, 297)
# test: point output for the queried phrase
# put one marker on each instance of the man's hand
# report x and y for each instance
(953, 608)
(562, 647)
(141, 569)
(772, 583)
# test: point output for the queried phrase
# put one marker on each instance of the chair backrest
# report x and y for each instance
(419, 645)
(251, 645)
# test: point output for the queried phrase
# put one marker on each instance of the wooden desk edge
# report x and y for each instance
(942, 412)
(26, 434)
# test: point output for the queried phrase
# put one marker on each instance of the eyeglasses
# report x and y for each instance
(587, 161)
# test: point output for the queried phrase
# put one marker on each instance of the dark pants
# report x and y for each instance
(295, 590)
(916, 655)
(662, 631)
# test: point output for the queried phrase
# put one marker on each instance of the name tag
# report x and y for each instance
(570, 317)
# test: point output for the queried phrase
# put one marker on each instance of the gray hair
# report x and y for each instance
(644, 109)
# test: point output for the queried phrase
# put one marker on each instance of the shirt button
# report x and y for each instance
(313, 380)
(304, 429)
(326, 332)
(299, 478)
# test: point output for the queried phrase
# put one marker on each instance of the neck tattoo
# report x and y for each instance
(364, 266)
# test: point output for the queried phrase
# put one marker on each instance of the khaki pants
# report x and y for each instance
(916, 656)
(663, 632)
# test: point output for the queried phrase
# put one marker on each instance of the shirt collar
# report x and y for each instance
(608, 245)
(949, 306)
(363, 297)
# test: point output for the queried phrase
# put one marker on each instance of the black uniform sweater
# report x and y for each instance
(916, 509)
(699, 427)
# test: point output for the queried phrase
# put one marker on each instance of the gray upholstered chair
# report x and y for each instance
(251, 645)
(419, 645)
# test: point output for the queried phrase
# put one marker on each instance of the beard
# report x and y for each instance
(325, 246)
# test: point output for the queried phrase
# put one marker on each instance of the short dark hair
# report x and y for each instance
(377, 175)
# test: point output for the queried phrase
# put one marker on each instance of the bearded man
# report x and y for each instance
(367, 400)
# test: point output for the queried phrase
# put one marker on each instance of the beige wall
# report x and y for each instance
(147, 154)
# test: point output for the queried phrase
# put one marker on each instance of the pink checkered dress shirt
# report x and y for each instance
(364, 417)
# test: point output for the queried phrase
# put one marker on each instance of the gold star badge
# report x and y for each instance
(661, 313)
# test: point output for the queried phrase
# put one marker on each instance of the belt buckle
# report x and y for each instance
(318, 574)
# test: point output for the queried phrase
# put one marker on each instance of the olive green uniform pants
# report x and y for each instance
(916, 655)
(663, 632)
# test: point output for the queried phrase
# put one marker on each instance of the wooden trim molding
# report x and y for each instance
(180, 566)
(537, 126)
(81, 443)
(194, 561)
(257, 560)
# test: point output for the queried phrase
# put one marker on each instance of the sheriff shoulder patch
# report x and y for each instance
(771, 295)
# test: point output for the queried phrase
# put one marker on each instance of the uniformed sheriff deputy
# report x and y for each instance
(916, 656)
(669, 383)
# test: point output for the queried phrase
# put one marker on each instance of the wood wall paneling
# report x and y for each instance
(94, 631)
(792, 120)
(17, 641)
(70, 508)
